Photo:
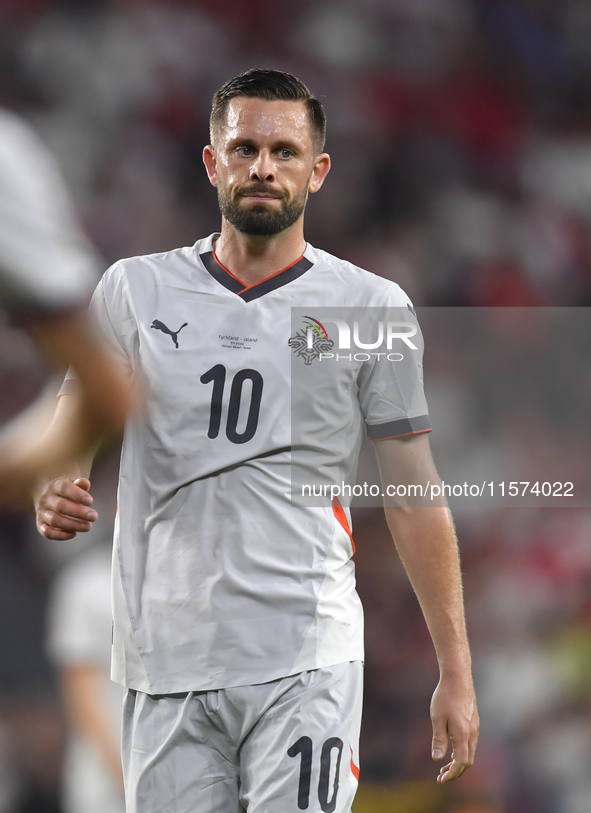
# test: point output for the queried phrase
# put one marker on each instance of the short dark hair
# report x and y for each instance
(272, 86)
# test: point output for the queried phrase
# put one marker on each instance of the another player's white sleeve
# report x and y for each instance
(391, 390)
(46, 262)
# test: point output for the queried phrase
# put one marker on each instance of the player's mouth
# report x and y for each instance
(258, 196)
(258, 199)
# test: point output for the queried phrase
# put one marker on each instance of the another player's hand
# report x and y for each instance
(455, 717)
(63, 508)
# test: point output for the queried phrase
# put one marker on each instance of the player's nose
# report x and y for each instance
(263, 168)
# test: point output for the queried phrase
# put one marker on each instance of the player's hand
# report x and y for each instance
(63, 508)
(455, 717)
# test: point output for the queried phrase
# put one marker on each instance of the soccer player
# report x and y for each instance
(47, 273)
(237, 628)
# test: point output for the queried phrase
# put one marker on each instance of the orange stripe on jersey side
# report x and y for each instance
(354, 768)
(341, 517)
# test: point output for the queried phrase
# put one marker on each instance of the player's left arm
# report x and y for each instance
(425, 539)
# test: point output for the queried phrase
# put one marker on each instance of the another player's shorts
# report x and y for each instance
(277, 747)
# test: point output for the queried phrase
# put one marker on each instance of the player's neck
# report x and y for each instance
(253, 259)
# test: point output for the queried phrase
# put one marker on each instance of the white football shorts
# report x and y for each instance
(278, 747)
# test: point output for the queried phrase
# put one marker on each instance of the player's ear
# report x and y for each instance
(210, 161)
(320, 171)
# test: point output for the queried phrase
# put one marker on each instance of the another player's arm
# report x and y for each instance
(84, 696)
(425, 539)
(28, 448)
(74, 340)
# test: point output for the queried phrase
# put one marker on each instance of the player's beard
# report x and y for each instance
(261, 220)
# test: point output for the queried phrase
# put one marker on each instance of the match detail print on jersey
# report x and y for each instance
(248, 293)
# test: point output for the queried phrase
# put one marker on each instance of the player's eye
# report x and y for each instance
(247, 152)
(285, 153)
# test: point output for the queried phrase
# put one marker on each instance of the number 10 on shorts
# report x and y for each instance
(304, 748)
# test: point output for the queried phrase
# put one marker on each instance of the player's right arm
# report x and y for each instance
(62, 500)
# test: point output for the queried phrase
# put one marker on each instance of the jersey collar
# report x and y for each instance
(265, 286)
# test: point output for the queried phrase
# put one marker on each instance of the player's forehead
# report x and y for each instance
(266, 121)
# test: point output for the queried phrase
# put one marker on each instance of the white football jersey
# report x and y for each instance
(222, 579)
(46, 263)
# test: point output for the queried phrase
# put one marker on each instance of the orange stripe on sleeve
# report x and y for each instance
(402, 435)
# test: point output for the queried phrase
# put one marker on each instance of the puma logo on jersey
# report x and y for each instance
(158, 325)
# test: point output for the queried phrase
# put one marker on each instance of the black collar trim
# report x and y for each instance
(248, 293)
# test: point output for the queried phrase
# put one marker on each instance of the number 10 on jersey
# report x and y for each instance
(217, 375)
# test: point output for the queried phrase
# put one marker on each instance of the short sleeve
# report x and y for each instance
(391, 392)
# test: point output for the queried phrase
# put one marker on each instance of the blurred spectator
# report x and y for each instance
(79, 643)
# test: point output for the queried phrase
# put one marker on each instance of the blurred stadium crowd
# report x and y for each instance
(460, 133)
